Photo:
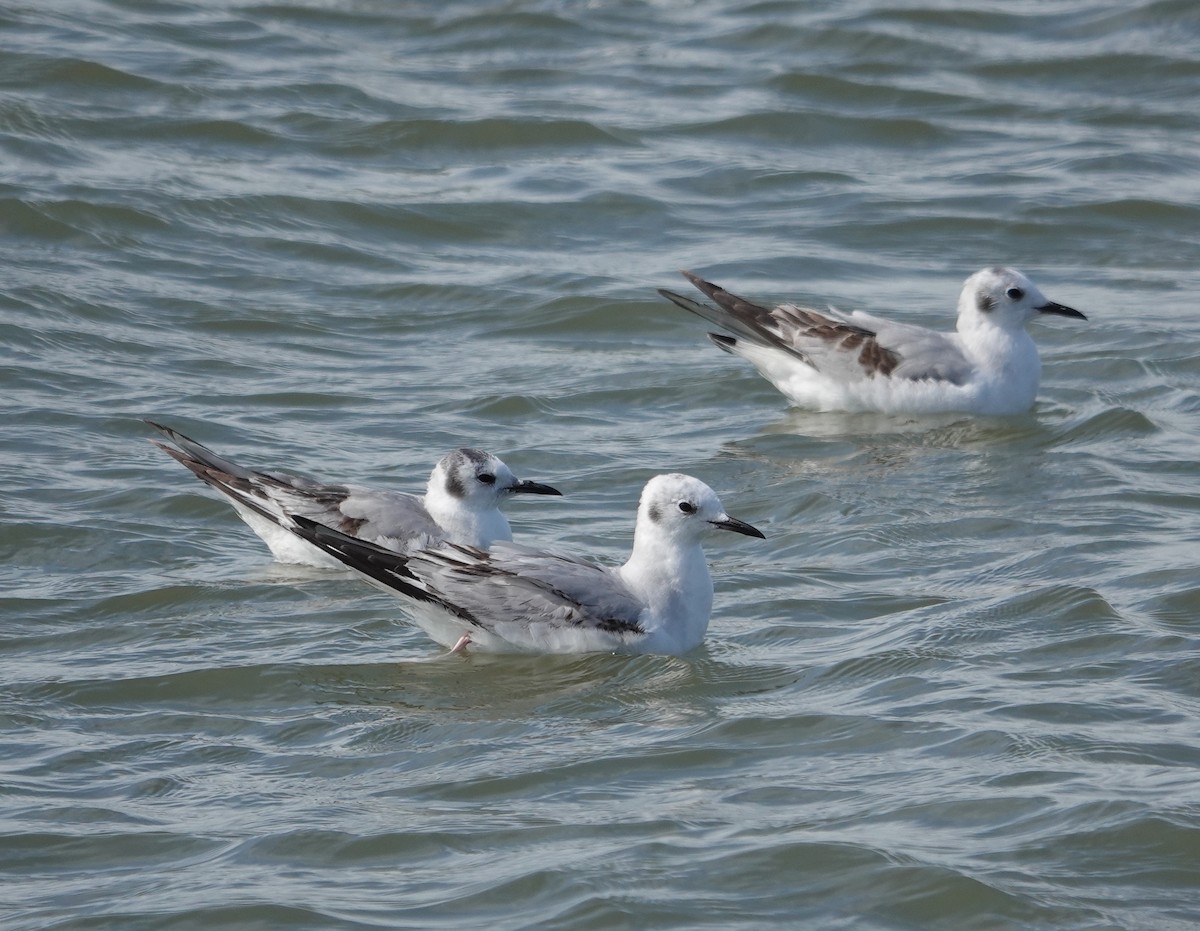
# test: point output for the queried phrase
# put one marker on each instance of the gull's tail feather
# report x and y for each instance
(740, 317)
(741, 324)
(197, 457)
(241, 485)
(222, 474)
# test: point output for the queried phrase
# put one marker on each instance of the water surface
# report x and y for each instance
(956, 687)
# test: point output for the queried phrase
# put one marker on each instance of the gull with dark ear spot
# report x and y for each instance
(461, 503)
(826, 361)
(516, 599)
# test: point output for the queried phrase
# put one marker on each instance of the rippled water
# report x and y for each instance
(956, 687)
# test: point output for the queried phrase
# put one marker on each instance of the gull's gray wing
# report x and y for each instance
(857, 346)
(515, 593)
(518, 583)
(393, 519)
(920, 352)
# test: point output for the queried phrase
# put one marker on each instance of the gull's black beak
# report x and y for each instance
(738, 526)
(1061, 310)
(534, 488)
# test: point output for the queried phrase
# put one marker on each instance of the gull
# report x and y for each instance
(461, 503)
(860, 362)
(517, 599)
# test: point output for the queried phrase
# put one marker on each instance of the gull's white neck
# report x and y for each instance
(464, 524)
(671, 577)
(1007, 359)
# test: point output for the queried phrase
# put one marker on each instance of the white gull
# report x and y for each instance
(461, 503)
(860, 362)
(517, 599)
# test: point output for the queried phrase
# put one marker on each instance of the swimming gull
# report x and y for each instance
(860, 362)
(461, 503)
(517, 599)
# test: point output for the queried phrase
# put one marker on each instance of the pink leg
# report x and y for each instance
(461, 646)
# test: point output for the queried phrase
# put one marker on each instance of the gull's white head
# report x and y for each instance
(1004, 298)
(679, 507)
(475, 480)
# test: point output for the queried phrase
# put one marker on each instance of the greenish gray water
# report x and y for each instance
(956, 687)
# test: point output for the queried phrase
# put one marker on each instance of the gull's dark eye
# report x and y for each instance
(487, 478)
(687, 507)
(1014, 294)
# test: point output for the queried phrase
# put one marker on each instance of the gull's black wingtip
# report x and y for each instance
(349, 549)
(723, 342)
(318, 534)
(307, 522)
